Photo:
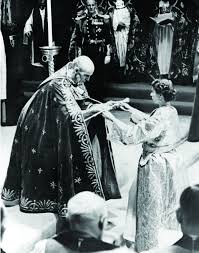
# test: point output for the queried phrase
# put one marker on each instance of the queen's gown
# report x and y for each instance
(158, 186)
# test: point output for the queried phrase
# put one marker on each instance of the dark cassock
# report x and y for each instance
(92, 36)
(38, 27)
(56, 153)
(74, 242)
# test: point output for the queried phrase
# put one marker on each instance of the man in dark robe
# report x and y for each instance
(59, 148)
(36, 30)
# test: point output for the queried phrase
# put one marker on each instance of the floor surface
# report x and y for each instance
(33, 227)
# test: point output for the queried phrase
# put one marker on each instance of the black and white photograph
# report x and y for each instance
(99, 126)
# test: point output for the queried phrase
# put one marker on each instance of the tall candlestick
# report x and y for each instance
(49, 15)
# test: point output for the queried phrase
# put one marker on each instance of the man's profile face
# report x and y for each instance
(91, 6)
(82, 77)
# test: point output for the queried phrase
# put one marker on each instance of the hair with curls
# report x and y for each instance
(189, 203)
(165, 88)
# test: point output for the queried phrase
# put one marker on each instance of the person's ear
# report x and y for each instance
(76, 69)
(102, 223)
(70, 65)
(179, 215)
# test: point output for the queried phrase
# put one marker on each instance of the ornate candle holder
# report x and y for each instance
(48, 53)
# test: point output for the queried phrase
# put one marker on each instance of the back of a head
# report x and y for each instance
(165, 88)
(85, 64)
(86, 207)
(189, 203)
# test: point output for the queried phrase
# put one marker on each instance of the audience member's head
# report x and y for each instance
(87, 214)
(165, 88)
(188, 213)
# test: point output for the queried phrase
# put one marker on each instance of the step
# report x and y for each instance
(145, 86)
(143, 90)
(146, 105)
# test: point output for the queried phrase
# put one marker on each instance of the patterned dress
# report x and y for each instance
(53, 157)
(157, 188)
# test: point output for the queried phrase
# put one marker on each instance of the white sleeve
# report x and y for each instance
(40, 247)
(145, 130)
(29, 24)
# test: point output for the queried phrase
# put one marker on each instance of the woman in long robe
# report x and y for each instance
(170, 50)
(158, 188)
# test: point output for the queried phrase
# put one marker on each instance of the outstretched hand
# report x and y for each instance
(28, 34)
(111, 104)
(103, 106)
(123, 104)
(125, 107)
(12, 41)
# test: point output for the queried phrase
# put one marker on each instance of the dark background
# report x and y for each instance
(63, 12)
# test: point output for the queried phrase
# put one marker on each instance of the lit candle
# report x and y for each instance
(49, 15)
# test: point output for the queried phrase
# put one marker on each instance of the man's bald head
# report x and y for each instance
(87, 213)
(84, 64)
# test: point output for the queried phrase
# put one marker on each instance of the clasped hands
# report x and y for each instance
(123, 105)
(112, 105)
(136, 115)
(108, 106)
(105, 108)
